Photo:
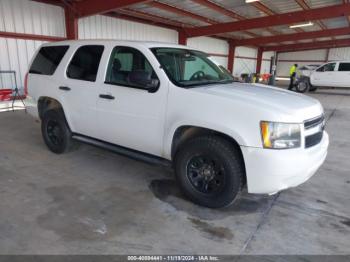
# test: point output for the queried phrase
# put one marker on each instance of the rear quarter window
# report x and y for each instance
(47, 60)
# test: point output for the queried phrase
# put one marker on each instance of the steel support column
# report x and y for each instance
(182, 38)
(71, 23)
(231, 57)
(259, 60)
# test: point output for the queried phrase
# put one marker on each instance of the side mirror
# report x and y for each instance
(143, 79)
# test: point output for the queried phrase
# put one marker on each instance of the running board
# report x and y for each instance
(151, 159)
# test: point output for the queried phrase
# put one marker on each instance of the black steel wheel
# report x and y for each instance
(206, 174)
(210, 170)
(56, 133)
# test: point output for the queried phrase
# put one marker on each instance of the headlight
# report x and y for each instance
(280, 135)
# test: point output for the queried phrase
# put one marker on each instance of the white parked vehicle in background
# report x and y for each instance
(170, 104)
(333, 74)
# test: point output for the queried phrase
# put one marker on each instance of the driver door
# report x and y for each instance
(129, 115)
(324, 75)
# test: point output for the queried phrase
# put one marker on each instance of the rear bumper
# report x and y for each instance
(31, 106)
(269, 171)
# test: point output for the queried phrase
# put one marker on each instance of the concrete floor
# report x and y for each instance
(95, 202)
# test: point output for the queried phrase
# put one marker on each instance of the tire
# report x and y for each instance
(210, 171)
(56, 133)
(302, 86)
(312, 88)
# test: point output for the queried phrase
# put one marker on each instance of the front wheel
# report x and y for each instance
(302, 86)
(210, 171)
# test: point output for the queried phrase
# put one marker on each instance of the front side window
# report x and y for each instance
(327, 68)
(129, 67)
(188, 68)
(344, 67)
(47, 60)
(85, 62)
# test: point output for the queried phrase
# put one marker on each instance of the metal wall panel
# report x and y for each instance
(15, 54)
(104, 27)
(337, 54)
(245, 60)
(211, 46)
(23, 16)
(286, 60)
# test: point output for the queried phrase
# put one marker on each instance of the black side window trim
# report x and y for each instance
(99, 63)
(131, 86)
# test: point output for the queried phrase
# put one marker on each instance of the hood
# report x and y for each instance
(298, 106)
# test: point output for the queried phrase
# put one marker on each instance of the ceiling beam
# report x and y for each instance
(95, 7)
(309, 46)
(223, 11)
(268, 11)
(182, 12)
(275, 20)
(31, 36)
(305, 6)
(293, 37)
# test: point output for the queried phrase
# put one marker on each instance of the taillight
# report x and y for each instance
(26, 84)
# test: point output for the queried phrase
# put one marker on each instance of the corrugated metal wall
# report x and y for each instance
(286, 60)
(105, 27)
(212, 46)
(23, 16)
(339, 54)
(245, 60)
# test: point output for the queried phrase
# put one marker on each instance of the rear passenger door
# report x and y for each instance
(128, 115)
(79, 89)
(343, 74)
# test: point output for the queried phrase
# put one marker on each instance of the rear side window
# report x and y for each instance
(47, 60)
(344, 67)
(85, 62)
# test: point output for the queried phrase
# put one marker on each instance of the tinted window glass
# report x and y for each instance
(344, 67)
(47, 60)
(326, 68)
(127, 60)
(85, 62)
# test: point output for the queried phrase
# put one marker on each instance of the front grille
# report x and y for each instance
(314, 139)
(313, 122)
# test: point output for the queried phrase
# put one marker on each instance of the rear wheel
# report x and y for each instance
(56, 133)
(210, 171)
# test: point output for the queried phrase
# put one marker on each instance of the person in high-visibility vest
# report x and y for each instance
(292, 74)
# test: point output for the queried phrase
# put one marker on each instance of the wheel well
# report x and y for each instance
(185, 133)
(47, 103)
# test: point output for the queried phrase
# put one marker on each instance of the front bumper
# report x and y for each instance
(269, 171)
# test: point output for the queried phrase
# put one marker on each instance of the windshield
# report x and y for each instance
(188, 68)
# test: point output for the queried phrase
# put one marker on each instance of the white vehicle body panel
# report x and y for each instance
(334, 78)
(147, 122)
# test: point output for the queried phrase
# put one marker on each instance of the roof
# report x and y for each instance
(147, 44)
(235, 21)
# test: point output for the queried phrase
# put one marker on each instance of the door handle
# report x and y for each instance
(64, 88)
(110, 97)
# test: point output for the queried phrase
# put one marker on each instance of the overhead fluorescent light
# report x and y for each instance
(302, 25)
(251, 1)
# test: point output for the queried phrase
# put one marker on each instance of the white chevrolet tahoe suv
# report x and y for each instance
(168, 103)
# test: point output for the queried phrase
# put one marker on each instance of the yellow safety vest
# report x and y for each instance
(292, 70)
